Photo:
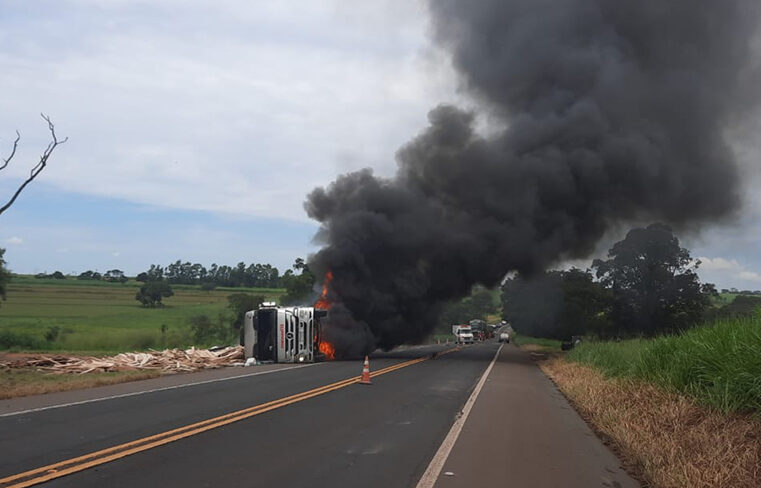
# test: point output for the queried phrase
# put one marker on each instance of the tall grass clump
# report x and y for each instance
(19, 341)
(718, 364)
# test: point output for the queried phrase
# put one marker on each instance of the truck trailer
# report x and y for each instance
(283, 334)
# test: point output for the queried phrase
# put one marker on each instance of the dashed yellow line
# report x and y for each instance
(81, 463)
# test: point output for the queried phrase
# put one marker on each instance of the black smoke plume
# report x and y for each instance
(610, 112)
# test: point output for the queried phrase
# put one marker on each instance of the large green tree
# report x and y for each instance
(299, 288)
(151, 293)
(654, 283)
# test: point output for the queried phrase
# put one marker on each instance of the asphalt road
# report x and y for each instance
(353, 436)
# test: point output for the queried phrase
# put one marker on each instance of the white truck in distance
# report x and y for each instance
(463, 334)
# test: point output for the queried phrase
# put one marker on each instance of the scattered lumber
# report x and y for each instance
(169, 360)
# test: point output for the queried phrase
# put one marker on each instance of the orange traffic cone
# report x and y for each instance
(365, 380)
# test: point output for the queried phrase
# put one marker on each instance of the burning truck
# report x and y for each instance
(285, 334)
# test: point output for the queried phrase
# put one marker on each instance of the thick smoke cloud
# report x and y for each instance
(611, 112)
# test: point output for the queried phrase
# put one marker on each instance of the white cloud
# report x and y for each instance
(719, 264)
(242, 107)
(728, 273)
(14, 240)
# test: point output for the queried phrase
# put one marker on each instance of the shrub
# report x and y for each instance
(205, 331)
(151, 293)
(13, 340)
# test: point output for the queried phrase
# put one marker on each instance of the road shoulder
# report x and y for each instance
(53, 400)
(522, 431)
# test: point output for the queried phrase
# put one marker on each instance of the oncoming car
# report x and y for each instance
(504, 337)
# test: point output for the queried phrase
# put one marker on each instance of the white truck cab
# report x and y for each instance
(282, 334)
(463, 335)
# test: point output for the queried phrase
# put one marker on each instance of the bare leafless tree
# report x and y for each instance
(37, 169)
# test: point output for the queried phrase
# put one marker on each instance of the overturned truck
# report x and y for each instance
(283, 334)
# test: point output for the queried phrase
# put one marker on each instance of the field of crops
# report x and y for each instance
(719, 364)
(92, 316)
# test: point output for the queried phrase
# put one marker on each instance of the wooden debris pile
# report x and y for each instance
(169, 360)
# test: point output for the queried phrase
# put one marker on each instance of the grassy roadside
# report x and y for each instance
(679, 411)
(667, 439)
(719, 365)
(24, 382)
(536, 343)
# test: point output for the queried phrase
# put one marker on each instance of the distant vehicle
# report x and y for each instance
(504, 337)
(463, 334)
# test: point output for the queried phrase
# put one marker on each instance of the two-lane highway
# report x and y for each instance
(311, 426)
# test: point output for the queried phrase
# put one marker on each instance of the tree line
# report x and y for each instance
(647, 286)
(254, 275)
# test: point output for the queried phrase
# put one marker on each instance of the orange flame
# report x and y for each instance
(328, 350)
(323, 303)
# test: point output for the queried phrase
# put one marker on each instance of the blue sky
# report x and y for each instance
(72, 233)
(197, 129)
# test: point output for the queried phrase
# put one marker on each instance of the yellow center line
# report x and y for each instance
(63, 468)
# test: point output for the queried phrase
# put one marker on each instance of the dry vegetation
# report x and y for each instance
(25, 382)
(667, 439)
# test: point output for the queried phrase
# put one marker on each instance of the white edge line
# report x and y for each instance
(437, 463)
(136, 393)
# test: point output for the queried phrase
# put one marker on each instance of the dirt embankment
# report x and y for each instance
(666, 439)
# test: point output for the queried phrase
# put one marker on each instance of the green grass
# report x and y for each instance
(522, 340)
(104, 317)
(718, 364)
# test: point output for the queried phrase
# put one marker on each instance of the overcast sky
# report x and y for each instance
(197, 128)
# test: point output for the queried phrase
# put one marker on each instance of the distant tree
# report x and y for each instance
(5, 275)
(586, 305)
(57, 275)
(115, 276)
(654, 283)
(741, 306)
(155, 273)
(37, 168)
(151, 294)
(239, 304)
(299, 288)
(87, 275)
